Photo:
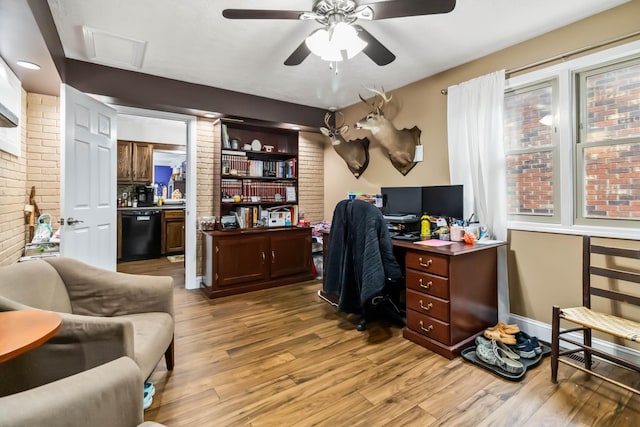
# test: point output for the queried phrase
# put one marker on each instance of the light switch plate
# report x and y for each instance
(418, 157)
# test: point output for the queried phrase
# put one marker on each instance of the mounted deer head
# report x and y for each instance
(355, 153)
(399, 144)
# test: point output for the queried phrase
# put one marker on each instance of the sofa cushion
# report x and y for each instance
(152, 334)
(35, 284)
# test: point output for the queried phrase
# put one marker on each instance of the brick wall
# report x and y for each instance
(13, 176)
(43, 152)
(208, 176)
(38, 165)
(612, 187)
(311, 175)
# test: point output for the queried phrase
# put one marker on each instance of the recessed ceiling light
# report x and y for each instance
(29, 65)
(210, 116)
(295, 127)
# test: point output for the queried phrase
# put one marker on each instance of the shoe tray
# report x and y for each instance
(469, 354)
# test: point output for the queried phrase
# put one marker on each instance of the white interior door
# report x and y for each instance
(88, 179)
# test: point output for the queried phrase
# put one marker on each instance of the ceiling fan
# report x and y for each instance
(340, 38)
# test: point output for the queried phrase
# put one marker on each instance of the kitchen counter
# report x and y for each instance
(161, 208)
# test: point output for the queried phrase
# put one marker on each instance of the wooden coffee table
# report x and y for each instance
(23, 330)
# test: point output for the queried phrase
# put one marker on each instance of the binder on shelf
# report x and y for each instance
(225, 137)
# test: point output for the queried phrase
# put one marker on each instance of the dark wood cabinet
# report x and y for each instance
(241, 259)
(451, 295)
(135, 162)
(246, 260)
(172, 231)
(290, 253)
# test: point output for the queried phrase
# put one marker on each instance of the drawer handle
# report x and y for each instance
(427, 264)
(427, 286)
(263, 256)
(427, 329)
(427, 307)
(273, 257)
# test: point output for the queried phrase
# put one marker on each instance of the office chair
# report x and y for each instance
(361, 271)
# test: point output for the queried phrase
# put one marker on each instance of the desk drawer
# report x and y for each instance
(428, 326)
(425, 304)
(425, 261)
(428, 283)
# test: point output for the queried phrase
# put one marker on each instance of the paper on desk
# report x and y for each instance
(433, 242)
(487, 241)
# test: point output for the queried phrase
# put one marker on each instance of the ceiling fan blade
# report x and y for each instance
(375, 50)
(298, 55)
(401, 8)
(261, 14)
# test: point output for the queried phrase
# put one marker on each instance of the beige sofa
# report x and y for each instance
(108, 395)
(105, 315)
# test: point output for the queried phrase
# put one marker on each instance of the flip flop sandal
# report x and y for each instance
(500, 336)
(507, 363)
(507, 351)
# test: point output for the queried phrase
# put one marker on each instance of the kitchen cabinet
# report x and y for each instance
(172, 231)
(135, 162)
(246, 260)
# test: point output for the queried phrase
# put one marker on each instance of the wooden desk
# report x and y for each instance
(23, 330)
(451, 293)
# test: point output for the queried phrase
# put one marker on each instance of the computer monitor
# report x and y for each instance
(401, 200)
(443, 200)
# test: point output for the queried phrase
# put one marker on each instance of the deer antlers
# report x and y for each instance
(337, 129)
(384, 99)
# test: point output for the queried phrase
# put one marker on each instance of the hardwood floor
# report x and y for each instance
(284, 357)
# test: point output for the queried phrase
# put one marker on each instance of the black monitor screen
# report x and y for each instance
(401, 200)
(443, 200)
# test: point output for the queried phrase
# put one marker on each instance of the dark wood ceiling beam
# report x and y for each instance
(153, 92)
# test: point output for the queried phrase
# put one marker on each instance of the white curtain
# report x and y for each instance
(476, 160)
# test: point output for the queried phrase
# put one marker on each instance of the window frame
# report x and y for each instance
(554, 149)
(566, 123)
(581, 144)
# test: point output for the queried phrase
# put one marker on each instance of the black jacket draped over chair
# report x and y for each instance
(360, 263)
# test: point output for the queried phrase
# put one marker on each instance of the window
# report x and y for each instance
(572, 145)
(530, 150)
(608, 149)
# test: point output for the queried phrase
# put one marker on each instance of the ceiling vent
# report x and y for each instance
(113, 49)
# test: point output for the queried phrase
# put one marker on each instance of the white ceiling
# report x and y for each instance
(189, 40)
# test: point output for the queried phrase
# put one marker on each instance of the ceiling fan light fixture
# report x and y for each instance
(340, 42)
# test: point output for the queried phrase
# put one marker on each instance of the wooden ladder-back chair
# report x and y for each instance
(589, 319)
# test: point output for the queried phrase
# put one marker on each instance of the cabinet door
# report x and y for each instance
(174, 233)
(142, 162)
(124, 161)
(240, 258)
(290, 252)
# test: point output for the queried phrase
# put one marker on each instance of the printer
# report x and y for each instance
(403, 226)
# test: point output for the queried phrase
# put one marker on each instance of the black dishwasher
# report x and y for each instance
(140, 234)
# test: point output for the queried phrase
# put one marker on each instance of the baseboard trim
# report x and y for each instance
(543, 332)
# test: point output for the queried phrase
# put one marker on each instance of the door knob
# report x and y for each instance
(72, 221)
